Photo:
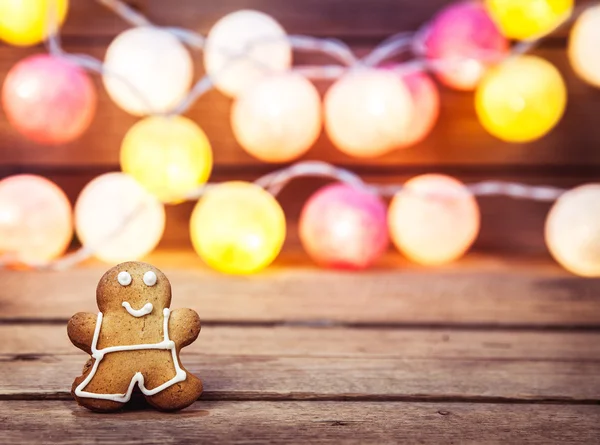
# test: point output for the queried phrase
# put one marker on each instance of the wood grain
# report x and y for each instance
(340, 18)
(479, 290)
(22, 340)
(458, 139)
(309, 363)
(295, 422)
(282, 377)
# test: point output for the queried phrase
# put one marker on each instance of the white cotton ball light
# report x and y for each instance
(367, 112)
(279, 118)
(583, 46)
(244, 46)
(573, 230)
(434, 219)
(155, 63)
(36, 223)
(118, 219)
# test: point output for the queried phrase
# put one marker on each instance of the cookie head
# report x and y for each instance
(137, 288)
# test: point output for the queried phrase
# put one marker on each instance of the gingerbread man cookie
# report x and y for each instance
(135, 339)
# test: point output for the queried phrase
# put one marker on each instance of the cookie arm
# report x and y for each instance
(184, 327)
(80, 330)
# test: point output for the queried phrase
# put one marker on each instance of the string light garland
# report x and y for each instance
(374, 106)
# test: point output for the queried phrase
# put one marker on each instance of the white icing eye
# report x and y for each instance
(150, 278)
(124, 278)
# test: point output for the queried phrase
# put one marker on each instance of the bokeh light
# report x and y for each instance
(583, 46)
(525, 19)
(244, 46)
(35, 219)
(169, 156)
(118, 219)
(434, 219)
(426, 100)
(462, 41)
(344, 227)
(27, 22)
(48, 99)
(573, 230)
(279, 118)
(154, 63)
(521, 100)
(367, 112)
(237, 228)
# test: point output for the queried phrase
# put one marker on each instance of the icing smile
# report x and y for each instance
(138, 312)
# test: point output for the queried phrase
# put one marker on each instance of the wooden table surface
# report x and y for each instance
(488, 350)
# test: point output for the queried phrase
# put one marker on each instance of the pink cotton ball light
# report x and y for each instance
(344, 227)
(48, 99)
(462, 41)
(36, 223)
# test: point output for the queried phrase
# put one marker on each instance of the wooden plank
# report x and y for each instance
(478, 290)
(88, 18)
(458, 139)
(348, 18)
(295, 422)
(22, 340)
(315, 364)
(256, 377)
(352, 18)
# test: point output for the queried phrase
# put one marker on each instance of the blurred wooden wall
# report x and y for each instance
(568, 156)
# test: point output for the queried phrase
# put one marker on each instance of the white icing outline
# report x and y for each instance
(150, 278)
(98, 355)
(138, 312)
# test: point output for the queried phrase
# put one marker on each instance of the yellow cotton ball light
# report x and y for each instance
(279, 118)
(367, 112)
(35, 219)
(583, 46)
(573, 230)
(524, 19)
(169, 156)
(521, 100)
(244, 46)
(237, 228)
(434, 219)
(118, 219)
(147, 71)
(27, 22)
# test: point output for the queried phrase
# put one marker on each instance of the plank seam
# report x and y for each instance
(315, 397)
(332, 324)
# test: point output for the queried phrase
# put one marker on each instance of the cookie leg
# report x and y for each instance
(104, 381)
(178, 396)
